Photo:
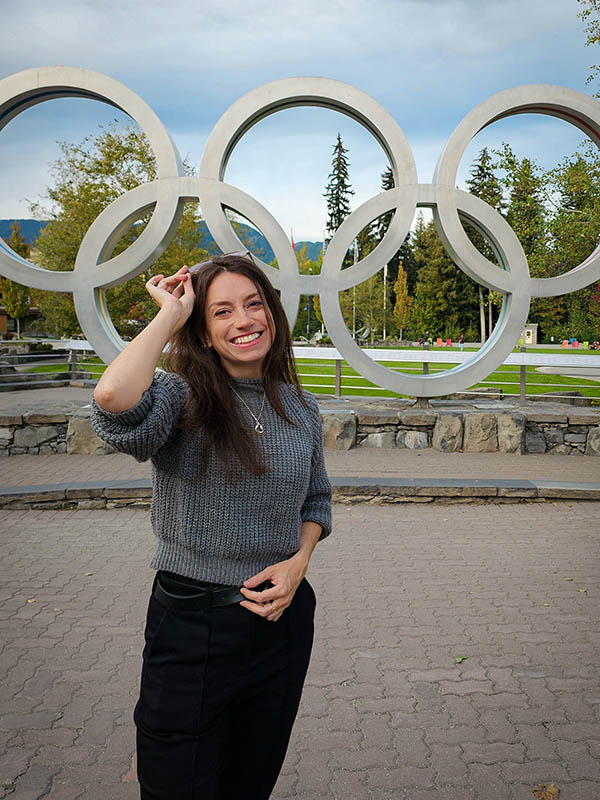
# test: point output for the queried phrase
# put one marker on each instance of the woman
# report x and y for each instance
(240, 499)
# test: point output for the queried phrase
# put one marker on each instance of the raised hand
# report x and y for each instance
(173, 292)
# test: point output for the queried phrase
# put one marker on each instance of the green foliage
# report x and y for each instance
(308, 267)
(445, 299)
(87, 178)
(15, 297)
(403, 302)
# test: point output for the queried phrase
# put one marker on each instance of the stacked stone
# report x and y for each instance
(561, 434)
(45, 434)
(465, 431)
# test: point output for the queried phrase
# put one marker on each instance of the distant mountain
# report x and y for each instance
(256, 242)
(30, 228)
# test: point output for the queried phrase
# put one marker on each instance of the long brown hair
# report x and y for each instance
(211, 404)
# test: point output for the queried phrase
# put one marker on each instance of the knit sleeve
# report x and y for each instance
(317, 504)
(143, 429)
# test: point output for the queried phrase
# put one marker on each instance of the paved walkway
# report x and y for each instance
(358, 462)
(404, 592)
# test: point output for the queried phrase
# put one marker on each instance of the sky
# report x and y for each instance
(428, 62)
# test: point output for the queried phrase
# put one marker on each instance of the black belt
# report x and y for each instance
(181, 594)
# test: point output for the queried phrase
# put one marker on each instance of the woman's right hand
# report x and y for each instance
(174, 293)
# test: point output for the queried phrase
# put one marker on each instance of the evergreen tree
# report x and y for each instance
(87, 177)
(574, 234)
(405, 255)
(338, 189)
(526, 214)
(443, 295)
(484, 184)
(15, 297)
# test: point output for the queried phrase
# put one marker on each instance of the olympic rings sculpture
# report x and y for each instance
(96, 269)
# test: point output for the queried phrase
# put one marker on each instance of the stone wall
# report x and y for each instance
(450, 431)
(42, 434)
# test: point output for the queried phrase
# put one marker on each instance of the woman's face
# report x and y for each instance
(239, 325)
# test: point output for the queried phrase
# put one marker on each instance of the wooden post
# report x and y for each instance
(338, 377)
(523, 378)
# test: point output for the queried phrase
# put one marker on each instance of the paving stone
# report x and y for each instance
(400, 777)
(394, 612)
(493, 753)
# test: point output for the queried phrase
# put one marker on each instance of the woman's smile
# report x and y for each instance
(239, 324)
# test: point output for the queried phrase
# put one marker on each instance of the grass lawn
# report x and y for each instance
(318, 375)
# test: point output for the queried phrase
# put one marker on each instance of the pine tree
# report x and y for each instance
(443, 295)
(484, 184)
(338, 189)
(15, 297)
(405, 255)
(526, 214)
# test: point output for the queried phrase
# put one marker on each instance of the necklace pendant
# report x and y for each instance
(258, 428)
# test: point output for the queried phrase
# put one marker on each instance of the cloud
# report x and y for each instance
(429, 62)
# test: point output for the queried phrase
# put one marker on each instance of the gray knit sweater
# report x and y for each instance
(209, 528)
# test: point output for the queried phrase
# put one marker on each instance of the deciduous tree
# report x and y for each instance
(15, 297)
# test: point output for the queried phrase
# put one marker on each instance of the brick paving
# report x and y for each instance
(387, 712)
(359, 462)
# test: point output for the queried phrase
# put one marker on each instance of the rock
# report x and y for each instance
(535, 441)
(33, 418)
(412, 440)
(560, 450)
(555, 436)
(592, 418)
(546, 416)
(61, 447)
(593, 442)
(34, 435)
(382, 417)
(511, 428)
(82, 439)
(10, 419)
(448, 433)
(575, 438)
(339, 431)
(481, 434)
(415, 419)
(6, 436)
(379, 440)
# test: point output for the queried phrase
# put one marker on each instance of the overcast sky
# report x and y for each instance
(429, 62)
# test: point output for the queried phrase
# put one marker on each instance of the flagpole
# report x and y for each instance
(354, 293)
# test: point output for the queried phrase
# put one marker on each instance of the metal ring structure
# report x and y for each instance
(96, 269)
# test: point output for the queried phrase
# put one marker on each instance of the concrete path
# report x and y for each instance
(510, 592)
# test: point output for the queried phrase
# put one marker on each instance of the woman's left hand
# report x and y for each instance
(285, 576)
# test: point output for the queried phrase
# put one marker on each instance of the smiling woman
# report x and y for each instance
(237, 515)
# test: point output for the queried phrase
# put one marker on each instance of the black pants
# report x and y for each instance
(219, 694)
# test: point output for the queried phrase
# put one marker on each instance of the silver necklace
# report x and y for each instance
(259, 427)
